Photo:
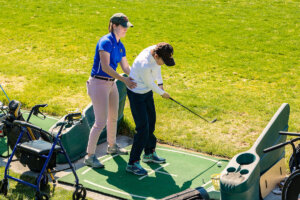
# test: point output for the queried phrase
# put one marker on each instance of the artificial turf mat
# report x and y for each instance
(45, 124)
(182, 170)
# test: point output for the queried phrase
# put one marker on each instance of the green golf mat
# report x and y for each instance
(182, 170)
(44, 124)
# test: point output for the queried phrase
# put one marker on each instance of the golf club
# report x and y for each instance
(213, 121)
(5, 93)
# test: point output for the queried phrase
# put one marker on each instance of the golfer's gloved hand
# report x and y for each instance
(165, 95)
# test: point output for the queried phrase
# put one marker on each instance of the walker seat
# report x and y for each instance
(37, 147)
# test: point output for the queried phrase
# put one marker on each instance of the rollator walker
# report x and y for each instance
(40, 156)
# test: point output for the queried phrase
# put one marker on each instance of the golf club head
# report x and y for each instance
(213, 121)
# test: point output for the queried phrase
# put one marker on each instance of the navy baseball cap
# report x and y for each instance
(120, 18)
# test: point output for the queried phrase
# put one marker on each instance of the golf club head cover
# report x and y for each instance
(14, 108)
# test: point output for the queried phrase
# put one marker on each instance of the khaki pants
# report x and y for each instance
(105, 99)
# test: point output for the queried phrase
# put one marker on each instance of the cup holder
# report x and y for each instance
(244, 171)
(245, 159)
(231, 169)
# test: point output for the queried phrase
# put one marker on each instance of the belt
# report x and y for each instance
(103, 78)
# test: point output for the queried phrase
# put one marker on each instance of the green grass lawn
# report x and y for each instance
(236, 60)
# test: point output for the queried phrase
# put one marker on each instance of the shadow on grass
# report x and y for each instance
(126, 128)
(23, 191)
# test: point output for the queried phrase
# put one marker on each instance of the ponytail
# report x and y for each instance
(110, 26)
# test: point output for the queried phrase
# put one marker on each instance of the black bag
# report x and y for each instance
(35, 163)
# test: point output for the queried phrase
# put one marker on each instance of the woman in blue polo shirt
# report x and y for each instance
(102, 88)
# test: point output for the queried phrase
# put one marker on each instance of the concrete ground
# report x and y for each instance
(272, 196)
(123, 141)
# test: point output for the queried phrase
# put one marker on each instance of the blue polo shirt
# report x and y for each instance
(116, 49)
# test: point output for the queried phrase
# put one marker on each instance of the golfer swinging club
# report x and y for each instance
(145, 70)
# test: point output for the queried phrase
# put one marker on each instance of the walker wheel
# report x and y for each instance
(290, 189)
(41, 196)
(4, 187)
(44, 181)
(80, 193)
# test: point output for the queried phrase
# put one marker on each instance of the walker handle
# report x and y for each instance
(35, 111)
(72, 116)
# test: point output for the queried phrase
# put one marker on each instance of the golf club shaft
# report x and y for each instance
(189, 110)
(5, 93)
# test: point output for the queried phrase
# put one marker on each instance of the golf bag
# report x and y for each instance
(189, 194)
(13, 132)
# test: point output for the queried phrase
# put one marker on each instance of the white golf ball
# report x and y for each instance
(219, 164)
